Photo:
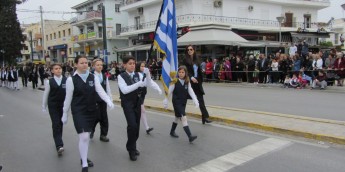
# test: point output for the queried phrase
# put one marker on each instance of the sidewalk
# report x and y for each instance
(311, 128)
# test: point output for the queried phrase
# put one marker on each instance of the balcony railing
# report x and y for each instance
(88, 16)
(199, 19)
(87, 36)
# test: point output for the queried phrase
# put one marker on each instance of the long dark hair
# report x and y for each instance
(189, 60)
(137, 66)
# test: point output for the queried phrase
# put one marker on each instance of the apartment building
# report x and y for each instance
(255, 21)
(338, 35)
(58, 42)
(87, 28)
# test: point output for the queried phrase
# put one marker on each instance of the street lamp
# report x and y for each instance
(280, 20)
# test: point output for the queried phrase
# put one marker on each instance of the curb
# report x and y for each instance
(261, 127)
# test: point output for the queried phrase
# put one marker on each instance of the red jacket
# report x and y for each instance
(209, 67)
(338, 66)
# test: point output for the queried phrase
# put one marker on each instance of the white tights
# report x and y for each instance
(84, 139)
(143, 117)
(183, 119)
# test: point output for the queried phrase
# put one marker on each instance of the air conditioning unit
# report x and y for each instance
(217, 3)
(140, 10)
(250, 8)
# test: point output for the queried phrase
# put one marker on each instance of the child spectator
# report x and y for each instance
(294, 81)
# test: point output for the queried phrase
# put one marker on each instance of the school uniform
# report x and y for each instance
(180, 93)
(15, 79)
(81, 93)
(102, 115)
(53, 98)
(131, 101)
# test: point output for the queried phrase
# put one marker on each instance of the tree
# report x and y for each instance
(11, 36)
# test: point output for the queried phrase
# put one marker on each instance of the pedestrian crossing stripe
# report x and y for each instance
(241, 156)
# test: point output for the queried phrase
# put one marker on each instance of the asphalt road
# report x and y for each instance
(324, 104)
(26, 144)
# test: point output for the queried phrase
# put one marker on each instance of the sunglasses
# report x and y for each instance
(189, 49)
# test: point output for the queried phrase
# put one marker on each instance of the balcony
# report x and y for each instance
(134, 4)
(88, 17)
(240, 23)
(319, 4)
(87, 37)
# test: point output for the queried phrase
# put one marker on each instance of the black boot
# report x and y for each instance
(172, 131)
(205, 120)
(190, 136)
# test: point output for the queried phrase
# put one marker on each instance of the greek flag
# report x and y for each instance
(166, 42)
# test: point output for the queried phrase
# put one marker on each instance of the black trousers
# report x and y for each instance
(102, 118)
(262, 77)
(25, 80)
(204, 112)
(56, 115)
(132, 114)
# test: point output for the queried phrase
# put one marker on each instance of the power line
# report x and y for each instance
(50, 12)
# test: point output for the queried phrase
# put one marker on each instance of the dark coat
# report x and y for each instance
(197, 87)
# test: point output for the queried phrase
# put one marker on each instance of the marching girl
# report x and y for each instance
(81, 92)
(180, 91)
(14, 74)
(53, 98)
(140, 67)
(102, 106)
(9, 78)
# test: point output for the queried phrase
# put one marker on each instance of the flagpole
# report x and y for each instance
(154, 36)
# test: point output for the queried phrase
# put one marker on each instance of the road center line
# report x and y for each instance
(241, 156)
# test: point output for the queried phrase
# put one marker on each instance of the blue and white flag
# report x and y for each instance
(166, 42)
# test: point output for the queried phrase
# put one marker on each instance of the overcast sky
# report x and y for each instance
(324, 15)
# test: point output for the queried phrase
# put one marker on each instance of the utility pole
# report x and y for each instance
(105, 54)
(31, 49)
(42, 32)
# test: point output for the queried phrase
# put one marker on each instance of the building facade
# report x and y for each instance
(256, 21)
(88, 29)
(59, 47)
(338, 35)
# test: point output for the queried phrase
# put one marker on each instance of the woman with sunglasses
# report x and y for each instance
(195, 74)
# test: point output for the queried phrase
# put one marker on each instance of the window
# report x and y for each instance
(54, 35)
(69, 32)
(118, 29)
(117, 8)
(59, 33)
(90, 8)
(51, 36)
(336, 38)
(70, 51)
(46, 37)
(137, 22)
(64, 33)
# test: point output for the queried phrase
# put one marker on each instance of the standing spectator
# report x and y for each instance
(26, 73)
(274, 72)
(208, 69)
(113, 72)
(296, 63)
(41, 72)
(239, 69)
(339, 66)
(263, 68)
(153, 67)
(251, 68)
(194, 71)
(216, 68)
(203, 65)
(292, 50)
(227, 69)
(34, 76)
(305, 50)
(159, 67)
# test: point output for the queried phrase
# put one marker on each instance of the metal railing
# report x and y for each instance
(199, 18)
(87, 16)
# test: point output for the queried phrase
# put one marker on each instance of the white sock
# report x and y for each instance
(84, 139)
(143, 117)
(184, 121)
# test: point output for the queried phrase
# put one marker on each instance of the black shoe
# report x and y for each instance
(0, 167)
(132, 156)
(149, 130)
(104, 139)
(189, 134)
(60, 150)
(137, 153)
(89, 163)
(192, 138)
(85, 169)
(172, 131)
(205, 120)
(91, 135)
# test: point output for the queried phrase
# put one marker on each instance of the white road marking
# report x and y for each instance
(241, 156)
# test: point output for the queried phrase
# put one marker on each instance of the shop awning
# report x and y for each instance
(210, 36)
(135, 48)
(310, 35)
